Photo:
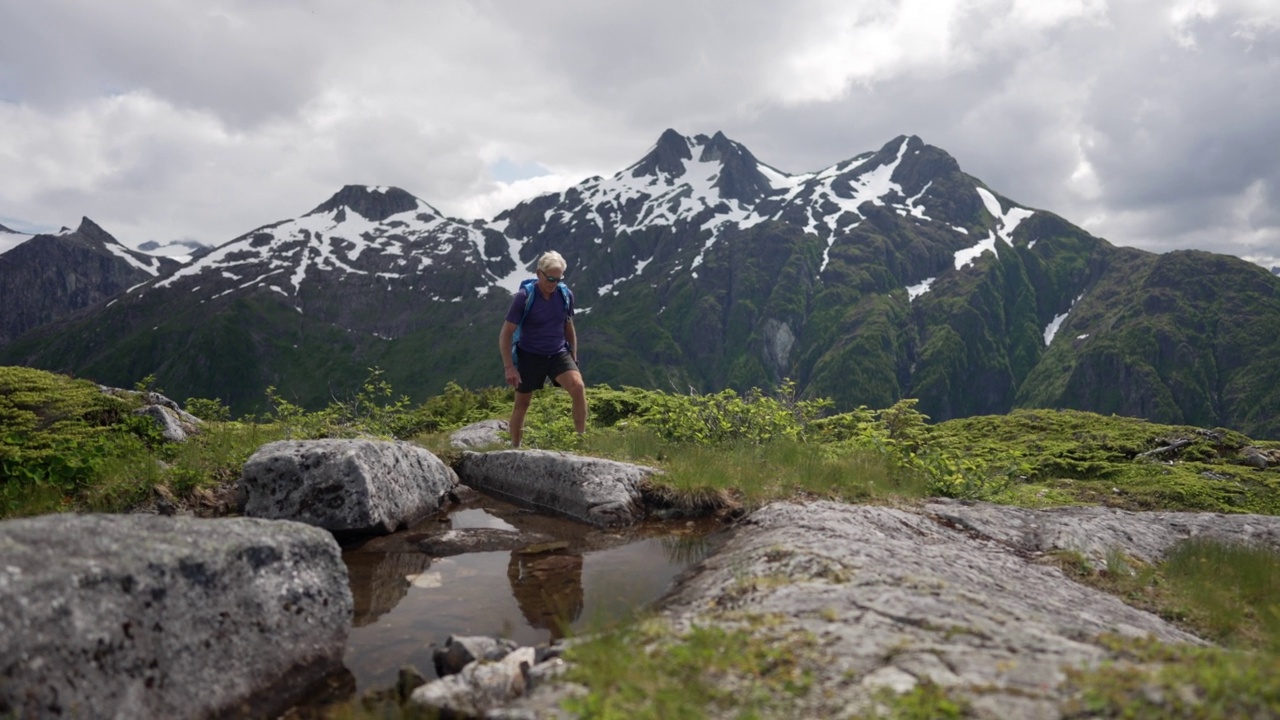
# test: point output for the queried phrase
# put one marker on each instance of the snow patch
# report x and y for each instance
(968, 255)
(128, 257)
(1006, 222)
(915, 291)
(1052, 328)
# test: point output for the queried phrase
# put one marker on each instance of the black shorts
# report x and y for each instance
(535, 369)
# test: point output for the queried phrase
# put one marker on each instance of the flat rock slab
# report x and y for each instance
(894, 598)
(148, 617)
(598, 492)
(345, 486)
(1095, 532)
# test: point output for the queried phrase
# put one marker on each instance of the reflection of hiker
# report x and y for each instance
(548, 589)
(538, 341)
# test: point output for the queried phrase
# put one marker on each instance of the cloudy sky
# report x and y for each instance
(1152, 123)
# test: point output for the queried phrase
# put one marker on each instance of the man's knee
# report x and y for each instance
(523, 400)
(571, 381)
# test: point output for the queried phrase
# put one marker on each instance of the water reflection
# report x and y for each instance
(407, 601)
(548, 589)
(379, 581)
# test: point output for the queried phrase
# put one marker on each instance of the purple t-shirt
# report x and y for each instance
(543, 329)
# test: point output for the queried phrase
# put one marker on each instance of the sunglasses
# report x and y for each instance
(552, 279)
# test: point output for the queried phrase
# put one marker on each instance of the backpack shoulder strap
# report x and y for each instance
(528, 287)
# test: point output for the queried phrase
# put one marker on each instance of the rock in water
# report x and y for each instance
(345, 486)
(143, 616)
(599, 492)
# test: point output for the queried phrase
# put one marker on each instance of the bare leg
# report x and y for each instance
(571, 381)
(516, 426)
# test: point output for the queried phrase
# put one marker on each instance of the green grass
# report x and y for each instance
(1227, 593)
(646, 670)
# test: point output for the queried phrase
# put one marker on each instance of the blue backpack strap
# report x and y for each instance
(527, 287)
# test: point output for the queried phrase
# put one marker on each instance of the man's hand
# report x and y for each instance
(513, 376)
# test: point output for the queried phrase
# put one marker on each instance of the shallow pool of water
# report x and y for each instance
(572, 577)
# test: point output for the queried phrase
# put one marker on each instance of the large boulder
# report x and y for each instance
(148, 616)
(345, 486)
(599, 492)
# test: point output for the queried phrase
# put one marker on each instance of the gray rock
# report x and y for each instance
(895, 598)
(345, 486)
(459, 651)
(486, 433)
(479, 687)
(170, 421)
(599, 492)
(469, 540)
(147, 616)
(1095, 532)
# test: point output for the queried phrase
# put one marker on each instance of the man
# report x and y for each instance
(547, 345)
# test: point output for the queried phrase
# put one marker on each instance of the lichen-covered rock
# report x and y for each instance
(345, 486)
(485, 433)
(897, 598)
(1096, 532)
(172, 425)
(599, 492)
(148, 616)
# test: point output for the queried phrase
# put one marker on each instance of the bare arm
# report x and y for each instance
(571, 337)
(504, 347)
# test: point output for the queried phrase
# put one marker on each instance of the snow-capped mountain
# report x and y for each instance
(47, 277)
(891, 274)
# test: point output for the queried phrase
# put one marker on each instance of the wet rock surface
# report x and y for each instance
(603, 493)
(149, 616)
(345, 486)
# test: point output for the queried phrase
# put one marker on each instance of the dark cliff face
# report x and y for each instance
(50, 277)
(372, 204)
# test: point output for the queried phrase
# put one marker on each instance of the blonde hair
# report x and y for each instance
(551, 259)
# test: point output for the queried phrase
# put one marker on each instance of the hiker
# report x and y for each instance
(538, 341)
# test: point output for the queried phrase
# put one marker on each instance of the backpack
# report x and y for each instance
(529, 289)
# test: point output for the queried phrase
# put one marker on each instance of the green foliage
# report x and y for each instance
(453, 408)
(370, 411)
(727, 416)
(211, 410)
(646, 671)
(67, 445)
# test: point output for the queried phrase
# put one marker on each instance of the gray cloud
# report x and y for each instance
(1148, 123)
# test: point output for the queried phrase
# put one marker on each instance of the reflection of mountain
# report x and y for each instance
(548, 589)
(379, 581)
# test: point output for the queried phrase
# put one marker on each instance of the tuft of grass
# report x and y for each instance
(646, 670)
(1225, 592)
(754, 474)
(1152, 680)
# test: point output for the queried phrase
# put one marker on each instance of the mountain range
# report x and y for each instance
(891, 274)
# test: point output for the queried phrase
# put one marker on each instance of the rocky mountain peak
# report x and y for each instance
(4, 229)
(666, 158)
(372, 203)
(91, 230)
(741, 178)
